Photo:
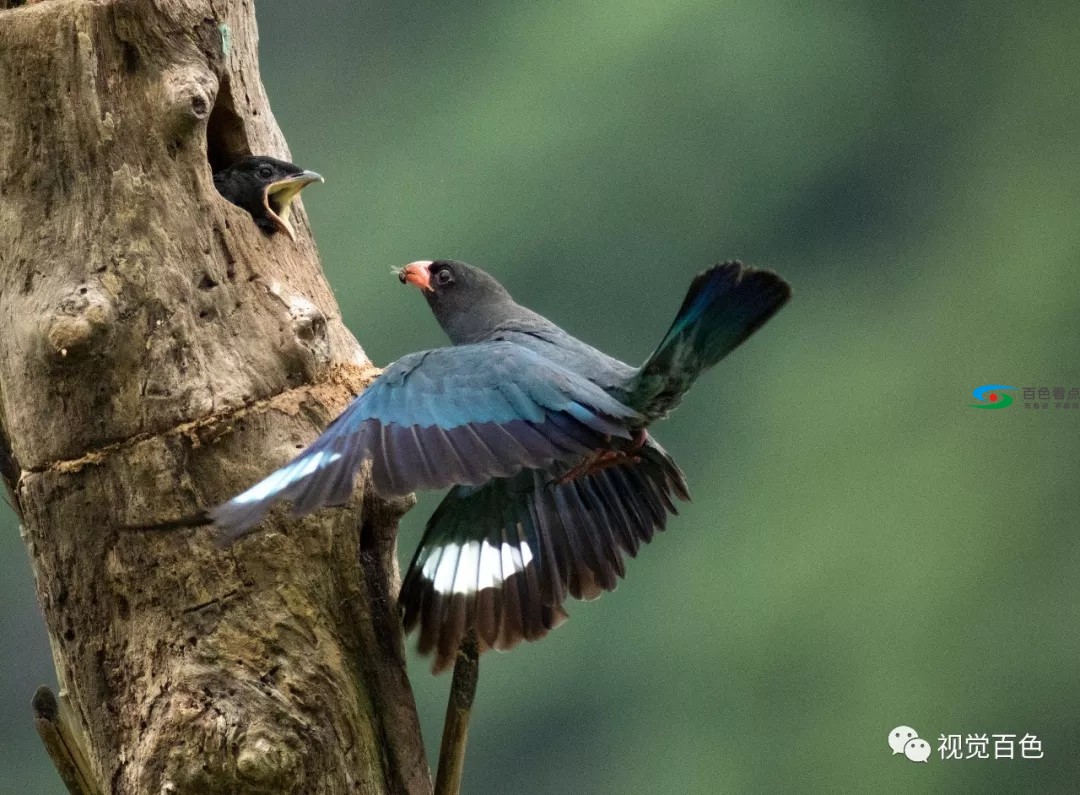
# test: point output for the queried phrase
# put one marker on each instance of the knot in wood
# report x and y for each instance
(81, 319)
(307, 321)
(263, 761)
(190, 95)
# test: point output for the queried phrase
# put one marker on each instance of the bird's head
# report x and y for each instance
(465, 300)
(265, 187)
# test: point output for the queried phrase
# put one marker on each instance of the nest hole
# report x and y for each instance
(131, 57)
(226, 138)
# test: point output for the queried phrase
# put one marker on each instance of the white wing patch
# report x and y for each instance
(287, 475)
(475, 565)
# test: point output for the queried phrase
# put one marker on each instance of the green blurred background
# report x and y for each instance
(864, 549)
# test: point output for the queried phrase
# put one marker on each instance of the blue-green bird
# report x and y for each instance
(543, 439)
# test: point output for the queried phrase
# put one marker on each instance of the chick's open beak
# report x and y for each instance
(279, 196)
(417, 273)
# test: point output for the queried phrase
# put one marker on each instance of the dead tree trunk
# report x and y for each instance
(158, 354)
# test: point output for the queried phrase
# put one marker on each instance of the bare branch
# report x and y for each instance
(458, 711)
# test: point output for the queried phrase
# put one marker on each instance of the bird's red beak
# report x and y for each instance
(417, 273)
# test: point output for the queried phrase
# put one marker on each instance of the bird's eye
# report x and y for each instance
(444, 276)
(266, 172)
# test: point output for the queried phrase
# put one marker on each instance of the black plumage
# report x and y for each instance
(266, 188)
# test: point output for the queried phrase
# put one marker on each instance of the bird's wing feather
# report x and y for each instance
(459, 415)
(503, 557)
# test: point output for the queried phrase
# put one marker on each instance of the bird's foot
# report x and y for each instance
(604, 459)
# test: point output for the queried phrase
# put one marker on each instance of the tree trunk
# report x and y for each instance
(160, 353)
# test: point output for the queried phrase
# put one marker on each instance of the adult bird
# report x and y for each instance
(265, 187)
(542, 438)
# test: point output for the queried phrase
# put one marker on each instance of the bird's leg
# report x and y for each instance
(605, 459)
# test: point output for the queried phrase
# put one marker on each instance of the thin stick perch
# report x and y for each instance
(458, 711)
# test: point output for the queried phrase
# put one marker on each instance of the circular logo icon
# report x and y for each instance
(991, 396)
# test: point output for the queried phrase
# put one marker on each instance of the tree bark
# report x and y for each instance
(159, 353)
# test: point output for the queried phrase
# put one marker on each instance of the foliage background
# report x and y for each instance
(864, 549)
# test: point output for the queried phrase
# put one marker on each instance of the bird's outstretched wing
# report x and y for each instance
(503, 557)
(458, 415)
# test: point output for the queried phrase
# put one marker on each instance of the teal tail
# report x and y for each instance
(725, 305)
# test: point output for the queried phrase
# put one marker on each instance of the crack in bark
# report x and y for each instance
(289, 400)
(212, 602)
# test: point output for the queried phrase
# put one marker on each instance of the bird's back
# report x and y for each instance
(539, 334)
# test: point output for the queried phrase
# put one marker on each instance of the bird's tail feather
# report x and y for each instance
(724, 305)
